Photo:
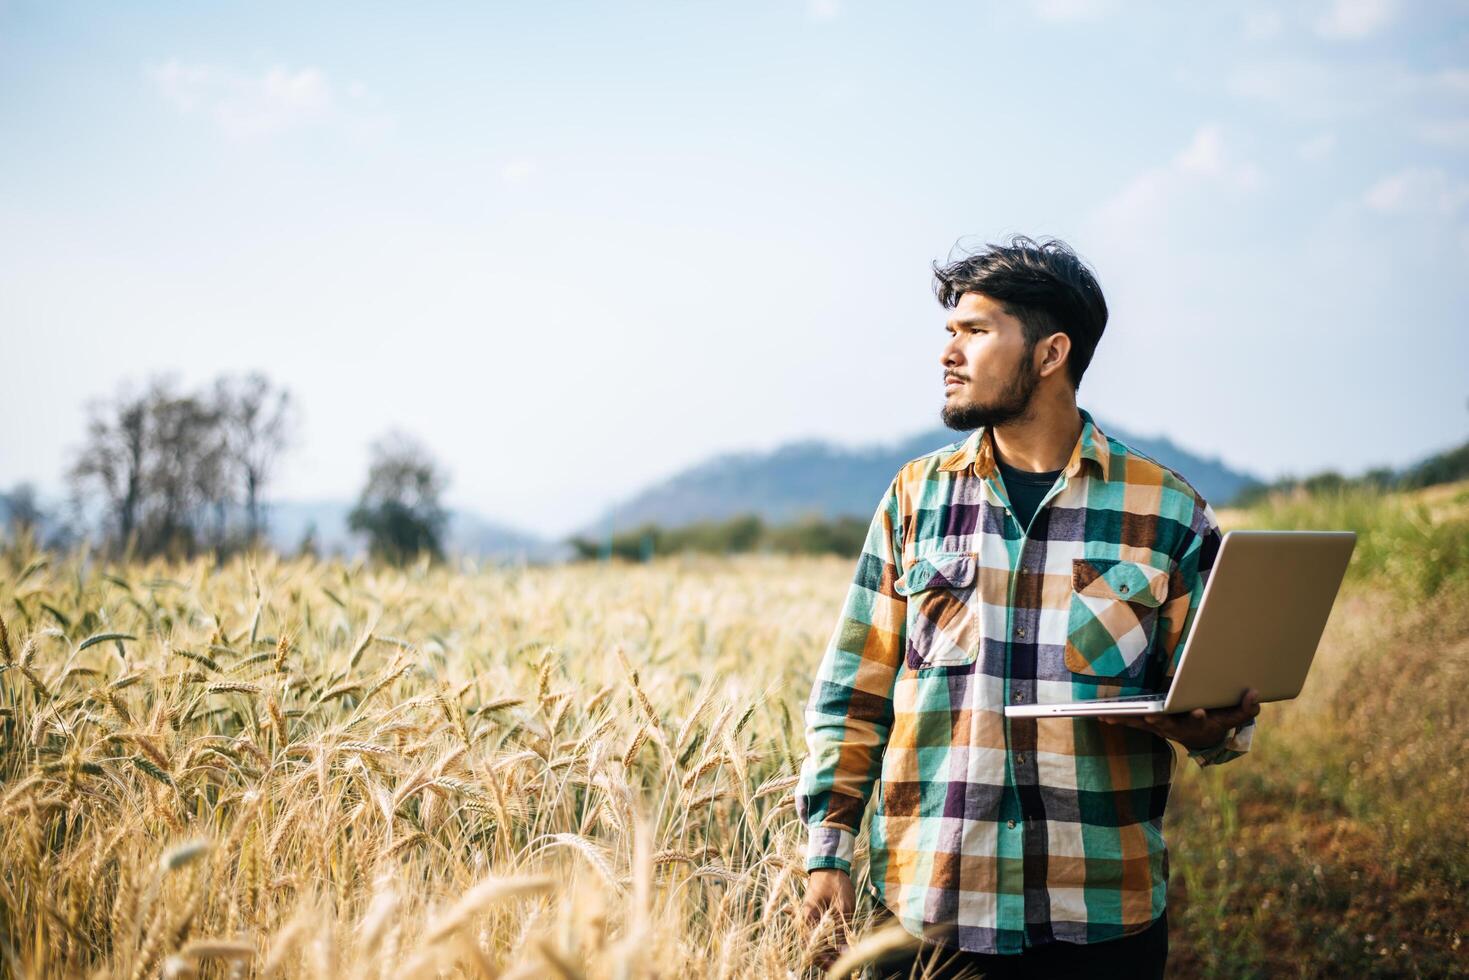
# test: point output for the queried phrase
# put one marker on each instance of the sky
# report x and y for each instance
(577, 247)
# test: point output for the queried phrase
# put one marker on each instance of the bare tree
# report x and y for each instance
(186, 473)
(110, 465)
(259, 422)
(170, 469)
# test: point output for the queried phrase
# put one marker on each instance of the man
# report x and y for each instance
(1037, 560)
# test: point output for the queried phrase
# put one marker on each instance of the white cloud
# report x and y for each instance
(247, 106)
(1206, 163)
(823, 9)
(1067, 11)
(1205, 157)
(1352, 20)
(518, 170)
(1418, 190)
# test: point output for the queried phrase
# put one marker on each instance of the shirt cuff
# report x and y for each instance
(1236, 742)
(1206, 755)
(830, 847)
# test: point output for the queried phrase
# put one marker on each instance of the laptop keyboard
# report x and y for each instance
(1137, 697)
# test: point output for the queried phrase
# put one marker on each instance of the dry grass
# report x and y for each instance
(297, 769)
(312, 768)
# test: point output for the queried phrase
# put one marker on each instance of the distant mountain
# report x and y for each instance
(819, 478)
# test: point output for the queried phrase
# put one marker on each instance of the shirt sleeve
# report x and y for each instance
(850, 711)
(1186, 591)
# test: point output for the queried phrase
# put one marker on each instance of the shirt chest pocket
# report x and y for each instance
(942, 610)
(1113, 616)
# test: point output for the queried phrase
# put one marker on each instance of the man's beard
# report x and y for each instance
(1013, 403)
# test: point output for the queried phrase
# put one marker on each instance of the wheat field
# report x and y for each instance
(295, 768)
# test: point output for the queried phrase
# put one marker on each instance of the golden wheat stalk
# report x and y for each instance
(491, 891)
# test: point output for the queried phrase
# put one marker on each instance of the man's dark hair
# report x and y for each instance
(1044, 285)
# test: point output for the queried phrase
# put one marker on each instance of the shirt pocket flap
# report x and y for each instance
(943, 571)
(1116, 578)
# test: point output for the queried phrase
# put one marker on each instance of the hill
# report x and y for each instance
(823, 479)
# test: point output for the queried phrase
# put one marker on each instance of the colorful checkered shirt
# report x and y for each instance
(989, 833)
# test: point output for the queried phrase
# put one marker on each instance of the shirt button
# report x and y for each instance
(1019, 697)
(1020, 631)
(1020, 757)
(1010, 824)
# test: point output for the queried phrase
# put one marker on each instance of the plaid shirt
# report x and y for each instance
(992, 833)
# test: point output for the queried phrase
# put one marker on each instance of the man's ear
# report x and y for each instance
(1054, 350)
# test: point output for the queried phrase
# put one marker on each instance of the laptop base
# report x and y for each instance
(1102, 706)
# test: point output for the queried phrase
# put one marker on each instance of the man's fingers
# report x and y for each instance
(828, 943)
(1234, 717)
(1164, 726)
(815, 911)
(1133, 721)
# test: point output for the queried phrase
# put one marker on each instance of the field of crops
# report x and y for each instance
(303, 769)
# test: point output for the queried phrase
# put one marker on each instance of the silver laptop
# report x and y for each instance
(1258, 625)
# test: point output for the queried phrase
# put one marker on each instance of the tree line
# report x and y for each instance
(741, 534)
(1443, 467)
(163, 471)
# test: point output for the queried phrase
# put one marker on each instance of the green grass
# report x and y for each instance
(1401, 545)
(1337, 846)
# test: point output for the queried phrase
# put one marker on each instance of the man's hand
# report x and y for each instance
(1196, 729)
(828, 888)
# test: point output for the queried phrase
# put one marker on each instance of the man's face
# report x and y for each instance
(989, 374)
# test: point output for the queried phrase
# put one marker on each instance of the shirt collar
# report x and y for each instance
(978, 451)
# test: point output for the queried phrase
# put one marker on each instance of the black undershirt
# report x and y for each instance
(1025, 489)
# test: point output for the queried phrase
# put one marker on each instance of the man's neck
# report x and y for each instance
(1043, 440)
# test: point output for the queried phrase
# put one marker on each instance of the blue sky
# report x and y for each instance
(577, 247)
